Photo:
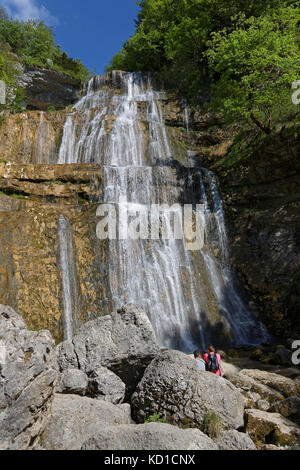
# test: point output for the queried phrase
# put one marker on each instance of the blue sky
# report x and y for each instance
(93, 30)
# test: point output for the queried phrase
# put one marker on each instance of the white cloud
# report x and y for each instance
(29, 10)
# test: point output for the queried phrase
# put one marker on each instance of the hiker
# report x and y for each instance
(200, 362)
(213, 361)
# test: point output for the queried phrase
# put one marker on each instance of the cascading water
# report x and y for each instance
(190, 297)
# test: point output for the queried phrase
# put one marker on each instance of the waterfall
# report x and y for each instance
(186, 115)
(190, 297)
(68, 275)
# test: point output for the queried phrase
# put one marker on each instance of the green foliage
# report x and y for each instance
(51, 109)
(156, 418)
(248, 49)
(254, 66)
(212, 424)
(33, 42)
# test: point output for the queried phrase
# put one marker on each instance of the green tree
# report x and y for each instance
(253, 68)
(172, 37)
(33, 42)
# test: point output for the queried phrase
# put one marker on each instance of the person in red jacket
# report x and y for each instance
(213, 361)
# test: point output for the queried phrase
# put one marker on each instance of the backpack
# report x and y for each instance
(213, 363)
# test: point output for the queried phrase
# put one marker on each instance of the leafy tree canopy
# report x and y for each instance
(248, 51)
(254, 66)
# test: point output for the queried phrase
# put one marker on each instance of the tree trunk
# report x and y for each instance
(265, 129)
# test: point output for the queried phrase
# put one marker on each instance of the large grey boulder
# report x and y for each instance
(28, 375)
(173, 388)
(247, 384)
(123, 342)
(234, 440)
(76, 419)
(72, 381)
(282, 385)
(153, 436)
(107, 386)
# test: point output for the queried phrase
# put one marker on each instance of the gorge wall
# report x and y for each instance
(260, 196)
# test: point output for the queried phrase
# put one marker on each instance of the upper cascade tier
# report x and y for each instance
(119, 122)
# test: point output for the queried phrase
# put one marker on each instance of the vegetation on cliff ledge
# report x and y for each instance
(32, 43)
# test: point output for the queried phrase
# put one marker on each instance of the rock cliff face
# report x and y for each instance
(32, 137)
(263, 218)
(44, 88)
(32, 199)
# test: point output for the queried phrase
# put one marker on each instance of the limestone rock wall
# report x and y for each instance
(31, 137)
(30, 269)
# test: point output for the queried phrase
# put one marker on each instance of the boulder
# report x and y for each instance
(123, 342)
(72, 381)
(107, 386)
(289, 408)
(251, 399)
(44, 88)
(271, 428)
(263, 405)
(234, 440)
(173, 388)
(229, 370)
(247, 384)
(283, 385)
(76, 419)
(152, 436)
(270, 447)
(28, 375)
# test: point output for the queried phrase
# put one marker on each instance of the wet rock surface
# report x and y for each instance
(261, 195)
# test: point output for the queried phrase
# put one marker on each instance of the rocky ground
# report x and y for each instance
(98, 391)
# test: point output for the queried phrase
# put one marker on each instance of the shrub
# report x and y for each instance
(156, 418)
(212, 424)
(51, 109)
